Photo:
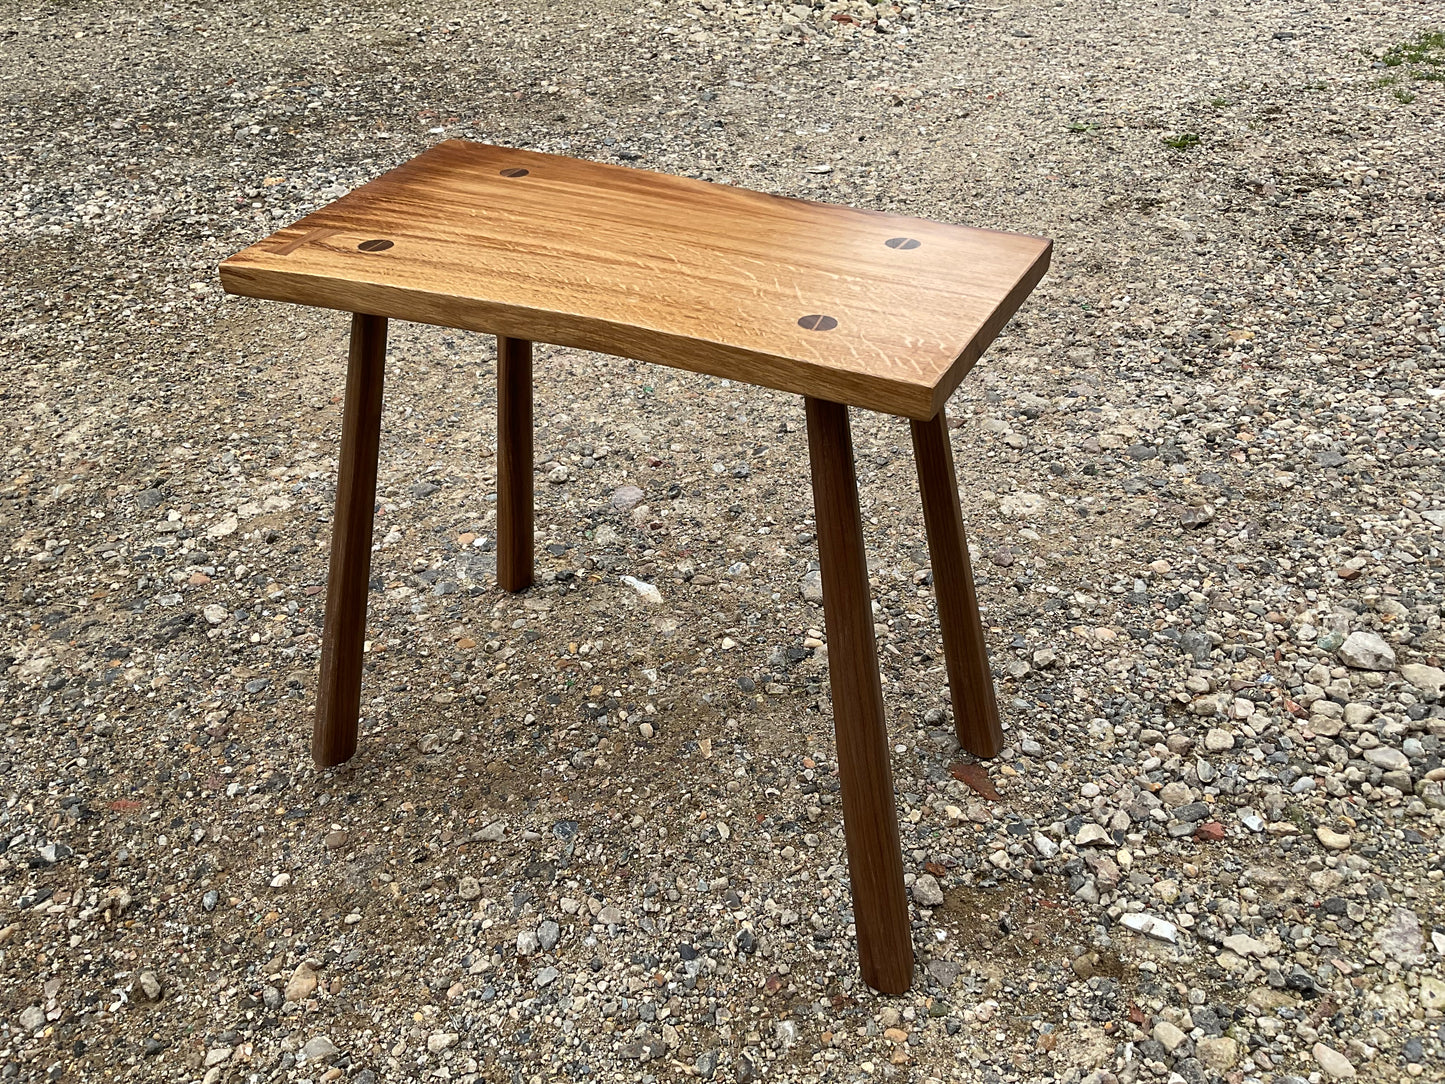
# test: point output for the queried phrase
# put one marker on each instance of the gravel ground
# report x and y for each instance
(593, 831)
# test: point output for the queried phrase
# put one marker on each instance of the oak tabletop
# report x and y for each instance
(874, 310)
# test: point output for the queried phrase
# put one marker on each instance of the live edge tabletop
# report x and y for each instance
(858, 307)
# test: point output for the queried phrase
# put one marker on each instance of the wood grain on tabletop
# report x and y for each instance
(874, 310)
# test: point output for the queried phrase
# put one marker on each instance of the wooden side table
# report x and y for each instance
(841, 306)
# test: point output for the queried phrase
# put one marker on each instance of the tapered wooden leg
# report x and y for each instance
(514, 464)
(338, 698)
(975, 710)
(870, 818)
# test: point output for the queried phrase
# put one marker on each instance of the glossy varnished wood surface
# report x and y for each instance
(858, 307)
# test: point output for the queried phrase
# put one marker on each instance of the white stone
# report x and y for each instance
(438, 1041)
(215, 614)
(1431, 992)
(1151, 926)
(1021, 505)
(649, 594)
(1335, 841)
(1243, 945)
(1367, 651)
(1168, 1035)
(223, 528)
(1335, 1064)
(1430, 679)
(1218, 740)
(1091, 834)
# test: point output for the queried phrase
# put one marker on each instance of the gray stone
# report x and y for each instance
(811, 587)
(528, 943)
(1192, 812)
(1356, 715)
(52, 853)
(1430, 994)
(1401, 937)
(1196, 645)
(150, 985)
(944, 972)
(320, 1048)
(1367, 651)
(1196, 517)
(626, 498)
(218, 1055)
(1392, 760)
(469, 888)
(1218, 1053)
(32, 1018)
(926, 892)
(547, 934)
